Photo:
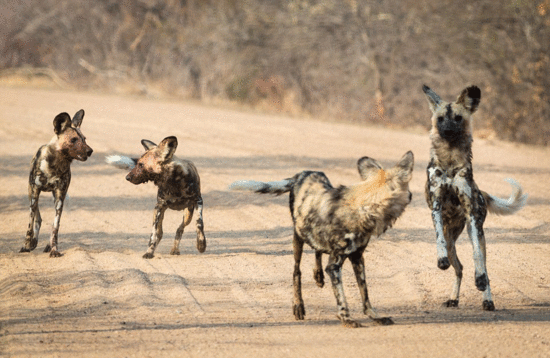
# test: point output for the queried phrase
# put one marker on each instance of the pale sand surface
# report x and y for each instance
(102, 299)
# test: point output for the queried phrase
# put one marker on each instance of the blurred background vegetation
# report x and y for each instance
(361, 61)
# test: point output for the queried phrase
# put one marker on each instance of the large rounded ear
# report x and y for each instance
(147, 144)
(367, 167)
(77, 119)
(433, 99)
(405, 166)
(167, 147)
(470, 98)
(61, 122)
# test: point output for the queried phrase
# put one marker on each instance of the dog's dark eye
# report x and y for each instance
(140, 165)
(458, 118)
(440, 119)
(73, 140)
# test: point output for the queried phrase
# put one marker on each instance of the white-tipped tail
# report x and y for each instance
(508, 206)
(121, 161)
(272, 187)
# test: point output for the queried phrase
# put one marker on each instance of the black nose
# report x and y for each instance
(410, 196)
(89, 152)
(128, 177)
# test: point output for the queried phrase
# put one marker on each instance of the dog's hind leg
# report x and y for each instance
(318, 274)
(35, 222)
(156, 235)
(358, 264)
(453, 235)
(488, 304)
(201, 239)
(298, 307)
(187, 216)
(59, 196)
(334, 270)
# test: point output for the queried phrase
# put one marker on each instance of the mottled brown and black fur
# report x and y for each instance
(340, 221)
(179, 188)
(51, 171)
(452, 194)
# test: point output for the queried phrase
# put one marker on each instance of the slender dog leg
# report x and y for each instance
(358, 264)
(318, 274)
(156, 235)
(187, 216)
(59, 196)
(488, 304)
(298, 308)
(442, 254)
(35, 222)
(334, 270)
(201, 239)
(455, 262)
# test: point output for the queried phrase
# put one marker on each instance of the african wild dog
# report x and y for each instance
(51, 171)
(452, 194)
(340, 221)
(178, 183)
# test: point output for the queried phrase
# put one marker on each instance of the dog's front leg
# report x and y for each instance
(156, 235)
(318, 269)
(201, 239)
(436, 185)
(334, 270)
(358, 264)
(298, 307)
(59, 196)
(35, 221)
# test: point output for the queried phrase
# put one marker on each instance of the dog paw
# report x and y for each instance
(201, 245)
(488, 305)
(482, 282)
(384, 321)
(148, 255)
(299, 311)
(450, 303)
(24, 249)
(55, 253)
(443, 263)
(349, 323)
(319, 277)
(48, 248)
(174, 252)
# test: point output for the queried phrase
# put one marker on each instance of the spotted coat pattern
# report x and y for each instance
(179, 189)
(339, 222)
(51, 172)
(452, 194)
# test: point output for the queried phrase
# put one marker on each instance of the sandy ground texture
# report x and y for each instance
(102, 299)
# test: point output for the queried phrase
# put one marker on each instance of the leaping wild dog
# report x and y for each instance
(452, 194)
(179, 188)
(51, 171)
(340, 221)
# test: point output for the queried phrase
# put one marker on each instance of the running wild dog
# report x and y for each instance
(178, 183)
(452, 194)
(51, 171)
(340, 221)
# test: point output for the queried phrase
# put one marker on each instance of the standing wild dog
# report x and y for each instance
(452, 194)
(340, 221)
(51, 171)
(179, 188)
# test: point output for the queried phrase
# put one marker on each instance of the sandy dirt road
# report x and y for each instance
(102, 299)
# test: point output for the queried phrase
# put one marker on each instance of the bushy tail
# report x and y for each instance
(508, 206)
(121, 161)
(272, 187)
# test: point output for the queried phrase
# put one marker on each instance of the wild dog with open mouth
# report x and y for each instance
(179, 188)
(51, 171)
(340, 221)
(452, 194)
